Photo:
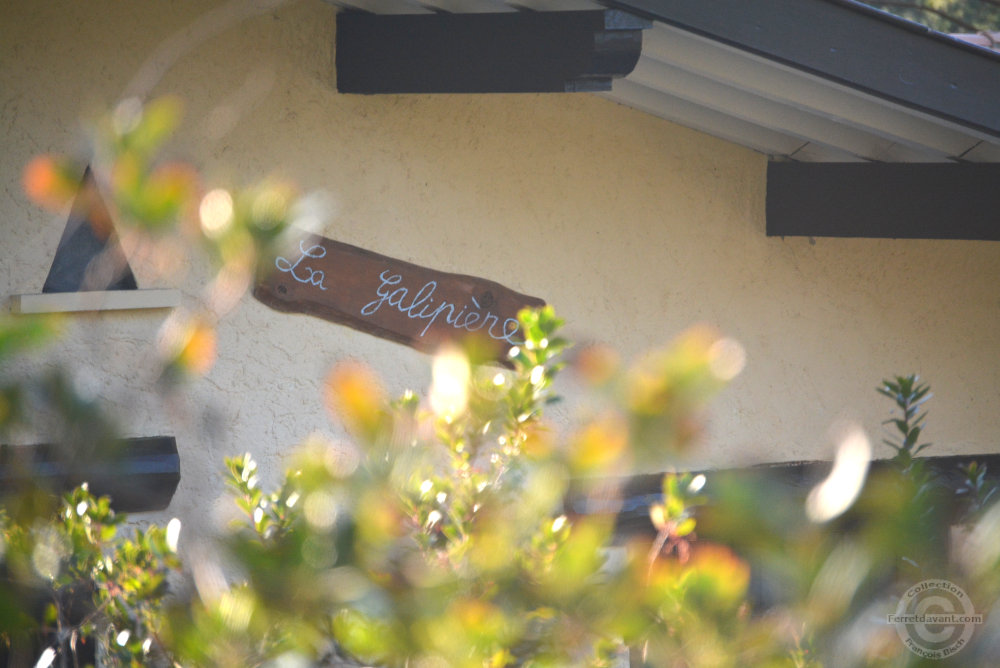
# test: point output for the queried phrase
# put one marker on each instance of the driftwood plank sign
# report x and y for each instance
(396, 300)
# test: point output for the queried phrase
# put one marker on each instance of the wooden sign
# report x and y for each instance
(393, 299)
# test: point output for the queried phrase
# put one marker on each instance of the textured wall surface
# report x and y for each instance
(634, 228)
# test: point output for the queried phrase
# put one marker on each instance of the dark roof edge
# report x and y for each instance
(918, 28)
(854, 45)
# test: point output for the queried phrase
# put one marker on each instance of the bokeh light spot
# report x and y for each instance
(216, 212)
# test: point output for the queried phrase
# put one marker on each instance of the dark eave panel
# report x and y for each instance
(512, 52)
(790, 480)
(884, 200)
(139, 474)
(853, 45)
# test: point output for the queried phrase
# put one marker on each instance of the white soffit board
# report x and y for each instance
(984, 152)
(723, 126)
(763, 110)
(109, 300)
(815, 112)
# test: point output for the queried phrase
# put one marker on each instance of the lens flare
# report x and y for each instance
(46, 658)
(838, 491)
(173, 534)
(449, 393)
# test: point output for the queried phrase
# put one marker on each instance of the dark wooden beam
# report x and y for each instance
(510, 52)
(793, 479)
(852, 44)
(883, 200)
(139, 474)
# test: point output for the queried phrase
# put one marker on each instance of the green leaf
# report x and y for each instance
(887, 391)
(685, 527)
(23, 333)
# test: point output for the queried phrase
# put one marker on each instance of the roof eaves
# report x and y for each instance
(854, 45)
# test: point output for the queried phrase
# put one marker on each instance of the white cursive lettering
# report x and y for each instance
(421, 306)
(304, 274)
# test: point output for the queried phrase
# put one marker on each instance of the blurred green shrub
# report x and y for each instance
(439, 536)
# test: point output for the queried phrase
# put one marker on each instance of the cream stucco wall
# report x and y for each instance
(634, 228)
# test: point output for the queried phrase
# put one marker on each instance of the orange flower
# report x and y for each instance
(353, 392)
(49, 182)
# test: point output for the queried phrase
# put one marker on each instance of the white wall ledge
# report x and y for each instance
(98, 300)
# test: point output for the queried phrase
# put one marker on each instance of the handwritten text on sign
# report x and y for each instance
(391, 298)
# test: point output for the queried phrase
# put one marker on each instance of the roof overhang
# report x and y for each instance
(807, 80)
(819, 79)
(789, 112)
(802, 81)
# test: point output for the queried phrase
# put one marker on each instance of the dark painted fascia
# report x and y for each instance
(792, 480)
(884, 200)
(507, 52)
(139, 474)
